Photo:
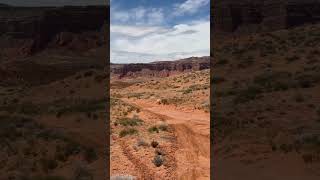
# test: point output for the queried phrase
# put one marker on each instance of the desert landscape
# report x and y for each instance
(265, 84)
(160, 90)
(53, 92)
(160, 120)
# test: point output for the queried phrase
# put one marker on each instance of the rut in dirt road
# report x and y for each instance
(192, 132)
(144, 171)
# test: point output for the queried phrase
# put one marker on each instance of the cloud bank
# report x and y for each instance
(143, 34)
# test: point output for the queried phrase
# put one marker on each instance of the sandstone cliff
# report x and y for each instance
(249, 16)
(43, 44)
(160, 69)
(28, 30)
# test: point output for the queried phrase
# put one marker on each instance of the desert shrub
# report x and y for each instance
(275, 81)
(135, 121)
(142, 142)
(159, 152)
(248, 94)
(164, 101)
(158, 160)
(174, 100)
(187, 91)
(154, 144)
(153, 129)
(136, 95)
(163, 126)
(129, 131)
(83, 106)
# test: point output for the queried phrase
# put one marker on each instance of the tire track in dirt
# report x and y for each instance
(143, 170)
(193, 140)
(170, 163)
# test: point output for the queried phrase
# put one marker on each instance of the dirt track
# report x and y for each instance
(192, 130)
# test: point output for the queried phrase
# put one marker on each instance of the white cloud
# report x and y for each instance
(120, 16)
(156, 43)
(190, 7)
(145, 34)
(138, 16)
(134, 31)
(139, 12)
(155, 16)
(133, 57)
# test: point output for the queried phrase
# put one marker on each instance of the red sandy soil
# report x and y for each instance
(266, 105)
(186, 144)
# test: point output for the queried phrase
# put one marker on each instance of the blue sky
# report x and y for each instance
(154, 30)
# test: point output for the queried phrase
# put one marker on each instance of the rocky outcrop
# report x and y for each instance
(248, 16)
(39, 45)
(160, 69)
(24, 31)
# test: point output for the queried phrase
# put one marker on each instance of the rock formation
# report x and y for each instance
(28, 30)
(160, 69)
(43, 44)
(248, 16)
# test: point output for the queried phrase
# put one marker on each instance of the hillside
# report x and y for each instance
(52, 92)
(56, 41)
(160, 126)
(265, 109)
(28, 30)
(254, 16)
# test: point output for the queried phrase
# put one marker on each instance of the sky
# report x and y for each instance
(157, 30)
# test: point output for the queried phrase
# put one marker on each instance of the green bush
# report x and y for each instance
(130, 131)
(135, 121)
(153, 129)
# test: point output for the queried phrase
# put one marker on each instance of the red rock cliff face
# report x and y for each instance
(43, 44)
(160, 69)
(249, 16)
(25, 31)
